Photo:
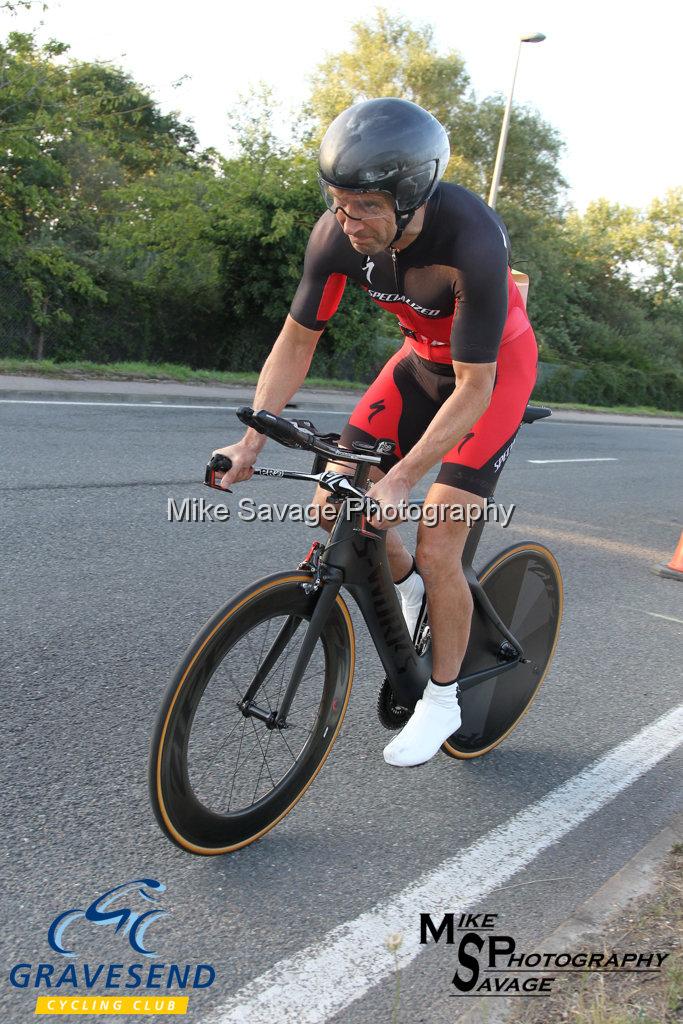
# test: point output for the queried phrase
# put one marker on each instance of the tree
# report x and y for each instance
(663, 247)
(391, 57)
(69, 137)
(33, 182)
(160, 234)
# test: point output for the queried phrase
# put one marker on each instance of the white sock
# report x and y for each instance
(436, 717)
(411, 594)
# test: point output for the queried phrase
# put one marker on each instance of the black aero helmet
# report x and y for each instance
(385, 145)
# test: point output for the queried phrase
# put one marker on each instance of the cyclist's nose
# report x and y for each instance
(352, 227)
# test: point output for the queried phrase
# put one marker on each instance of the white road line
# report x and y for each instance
(159, 405)
(543, 462)
(669, 618)
(320, 981)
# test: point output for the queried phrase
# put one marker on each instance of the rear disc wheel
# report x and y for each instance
(524, 586)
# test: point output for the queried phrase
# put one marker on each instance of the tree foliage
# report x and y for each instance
(389, 56)
(71, 135)
(120, 238)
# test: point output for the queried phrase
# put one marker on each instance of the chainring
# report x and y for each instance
(391, 715)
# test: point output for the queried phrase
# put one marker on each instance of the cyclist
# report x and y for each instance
(436, 256)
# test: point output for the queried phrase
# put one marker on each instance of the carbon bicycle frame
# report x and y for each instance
(355, 557)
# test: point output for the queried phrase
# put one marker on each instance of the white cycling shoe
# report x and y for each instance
(435, 718)
(411, 594)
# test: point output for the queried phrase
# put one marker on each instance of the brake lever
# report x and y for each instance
(217, 464)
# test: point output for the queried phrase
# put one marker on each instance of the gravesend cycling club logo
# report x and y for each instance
(490, 964)
(127, 912)
(100, 912)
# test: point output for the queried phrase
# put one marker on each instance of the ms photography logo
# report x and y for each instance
(123, 987)
(489, 964)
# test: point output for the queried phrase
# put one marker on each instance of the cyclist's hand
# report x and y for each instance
(243, 456)
(392, 495)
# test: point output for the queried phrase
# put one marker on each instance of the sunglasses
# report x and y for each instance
(357, 206)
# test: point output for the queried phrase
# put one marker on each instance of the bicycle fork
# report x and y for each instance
(329, 585)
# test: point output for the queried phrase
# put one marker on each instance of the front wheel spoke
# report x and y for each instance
(295, 726)
(300, 708)
(284, 740)
(219, 750)
(238, 754)
(305, 679)
(227, 674)
(247, 757)
(264, 761)
(259, 659)
(238, 769)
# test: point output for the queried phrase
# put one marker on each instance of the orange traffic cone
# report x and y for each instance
(673, 570)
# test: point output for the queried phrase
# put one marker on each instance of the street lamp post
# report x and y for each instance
(536, 37)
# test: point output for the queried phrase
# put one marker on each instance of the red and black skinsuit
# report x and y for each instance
(455, 299)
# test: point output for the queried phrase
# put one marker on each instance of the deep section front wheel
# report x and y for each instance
(220, 779)
(524, 586)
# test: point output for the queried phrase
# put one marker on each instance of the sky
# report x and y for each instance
(607, 76)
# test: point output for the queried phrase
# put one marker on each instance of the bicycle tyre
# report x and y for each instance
(524, 584)
(184, 816)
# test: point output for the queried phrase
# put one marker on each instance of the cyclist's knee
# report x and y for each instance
(321, 511)
(444, 529)
(439, 549)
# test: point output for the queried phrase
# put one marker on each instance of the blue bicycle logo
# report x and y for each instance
(128, 922)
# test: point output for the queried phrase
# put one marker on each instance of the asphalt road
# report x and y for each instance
(101, 597)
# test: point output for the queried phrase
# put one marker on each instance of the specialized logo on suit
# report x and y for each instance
(376, 407)
(368, 267)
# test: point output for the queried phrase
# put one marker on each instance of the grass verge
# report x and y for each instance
(83, 370)
(651, 923)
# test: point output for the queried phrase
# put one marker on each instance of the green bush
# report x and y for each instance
(606, 384)
(557, 387)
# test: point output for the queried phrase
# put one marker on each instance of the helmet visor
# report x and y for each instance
(358, 204)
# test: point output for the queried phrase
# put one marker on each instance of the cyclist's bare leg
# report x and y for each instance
(400, 559)
(439, 559)
(449, 600)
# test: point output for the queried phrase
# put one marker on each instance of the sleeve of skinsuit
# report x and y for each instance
(321, 287)
(481, 291)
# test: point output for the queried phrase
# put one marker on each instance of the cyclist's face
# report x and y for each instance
(368, 220)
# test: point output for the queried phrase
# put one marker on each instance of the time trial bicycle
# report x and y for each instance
(259, 698)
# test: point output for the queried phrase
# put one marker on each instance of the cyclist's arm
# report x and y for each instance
(283, 373)
(480, 261)
(474, 385)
